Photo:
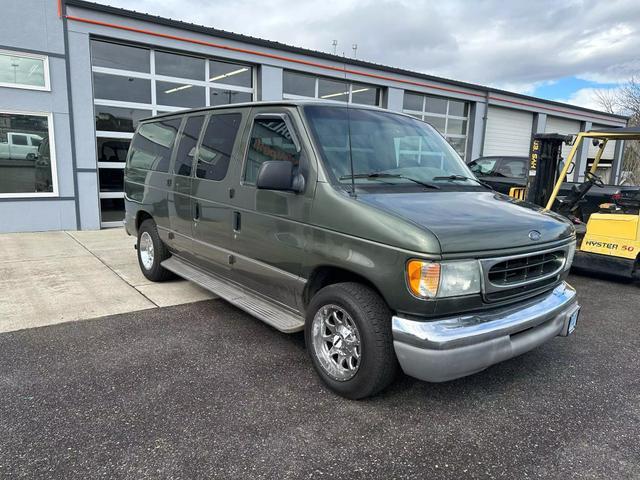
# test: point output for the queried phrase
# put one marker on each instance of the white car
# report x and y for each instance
(20, 146)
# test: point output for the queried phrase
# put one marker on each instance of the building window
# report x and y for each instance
(23, 70)
(132, 82)
(27, 155)
(300, 85)
(450, 117)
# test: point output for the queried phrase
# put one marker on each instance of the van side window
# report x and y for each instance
(270, 140)
(187, 145)
(152, 145)
(20, 140)
(217, 144)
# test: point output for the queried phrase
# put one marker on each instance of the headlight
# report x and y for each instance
(427, 279)
(570, 254)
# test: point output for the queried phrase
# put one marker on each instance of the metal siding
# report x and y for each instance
(508, 132)
(564, 127)
(609, 149)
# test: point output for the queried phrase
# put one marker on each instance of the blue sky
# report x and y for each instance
(556, 49)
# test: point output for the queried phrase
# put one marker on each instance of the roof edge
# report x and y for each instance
(169, 22)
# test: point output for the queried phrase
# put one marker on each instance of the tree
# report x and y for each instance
(625, 101)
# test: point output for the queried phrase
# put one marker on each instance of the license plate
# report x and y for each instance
(573, 321)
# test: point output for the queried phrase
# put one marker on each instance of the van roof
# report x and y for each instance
(275, 103)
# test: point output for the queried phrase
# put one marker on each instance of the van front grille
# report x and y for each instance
(526, 269)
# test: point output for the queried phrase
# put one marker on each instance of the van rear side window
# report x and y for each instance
(152, 145)
(217, 144)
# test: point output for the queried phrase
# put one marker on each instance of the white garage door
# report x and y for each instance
(508, 132)
(609, 149)
(562, 126)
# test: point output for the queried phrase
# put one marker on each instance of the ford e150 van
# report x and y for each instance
(358, 225)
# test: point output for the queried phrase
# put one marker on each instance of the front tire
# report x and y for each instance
(348, 337)
(152, 252)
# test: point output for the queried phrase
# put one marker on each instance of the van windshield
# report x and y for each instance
(383, 147)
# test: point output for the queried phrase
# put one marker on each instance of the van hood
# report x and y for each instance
(473, 221)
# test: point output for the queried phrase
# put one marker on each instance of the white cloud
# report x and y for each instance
(588, 97)
(511, 45)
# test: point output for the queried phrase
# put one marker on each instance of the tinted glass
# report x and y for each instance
(436, 105)
(229, 73)
(180, 95)
(152, 145)
(299, 84)
(112, 149)
(25, 161)
(123, 57)
(182, 66)
(270, 140)
(483, 166)
(111, 209)
(19, 70)
(111, 179)
(116, 119)
(19, 140)
(187, 146)
(125, 89)
(512, 168)
(223, 97)
(364, 94)
(458, 109)
(217, 145)
(333, 90)
(412, 102)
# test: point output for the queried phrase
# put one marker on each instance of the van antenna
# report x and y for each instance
(348, 92)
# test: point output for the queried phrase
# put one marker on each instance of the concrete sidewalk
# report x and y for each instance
(53, 277)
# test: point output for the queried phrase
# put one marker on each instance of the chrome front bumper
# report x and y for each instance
(453, 347)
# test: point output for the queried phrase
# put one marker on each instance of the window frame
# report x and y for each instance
(52, 157)
(289, 122)
(423, 114)
(350, 83)
(239, 137)
(45, 61)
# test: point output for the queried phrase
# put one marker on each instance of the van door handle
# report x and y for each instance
(197, 212)
(236, 221)
(169, 182)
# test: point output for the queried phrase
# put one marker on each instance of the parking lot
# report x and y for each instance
(204, 390)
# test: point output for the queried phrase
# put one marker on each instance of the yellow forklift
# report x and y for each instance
(609, 242)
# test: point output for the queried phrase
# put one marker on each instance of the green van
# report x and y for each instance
(358, 225)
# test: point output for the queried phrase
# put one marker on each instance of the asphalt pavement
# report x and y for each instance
(205, 391)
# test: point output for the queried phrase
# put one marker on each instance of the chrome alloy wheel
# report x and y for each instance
(336, 342)
(146, 250)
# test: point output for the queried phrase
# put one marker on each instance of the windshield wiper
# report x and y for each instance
(375, 175)
(462, 177)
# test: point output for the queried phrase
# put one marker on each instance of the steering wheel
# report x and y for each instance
(595, 179)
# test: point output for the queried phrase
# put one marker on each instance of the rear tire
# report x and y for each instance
(152, 252)
(348, 337)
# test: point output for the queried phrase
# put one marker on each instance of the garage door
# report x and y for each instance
(562, 126)
(508, 132)
(609, 149)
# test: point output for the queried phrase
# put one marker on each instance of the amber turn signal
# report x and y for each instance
(423, 278)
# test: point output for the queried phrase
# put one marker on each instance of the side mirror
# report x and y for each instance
(278, 175)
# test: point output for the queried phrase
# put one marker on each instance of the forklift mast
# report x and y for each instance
(544, 162)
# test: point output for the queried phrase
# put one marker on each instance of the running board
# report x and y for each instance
(267, 311)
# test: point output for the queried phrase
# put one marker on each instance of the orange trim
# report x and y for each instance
(59, 8)
(315, 64)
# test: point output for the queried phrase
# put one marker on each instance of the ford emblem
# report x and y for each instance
(535, 235)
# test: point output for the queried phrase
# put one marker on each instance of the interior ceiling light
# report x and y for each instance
(225, 75)
(183, 87)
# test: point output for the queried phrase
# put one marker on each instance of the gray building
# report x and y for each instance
(76, 77)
